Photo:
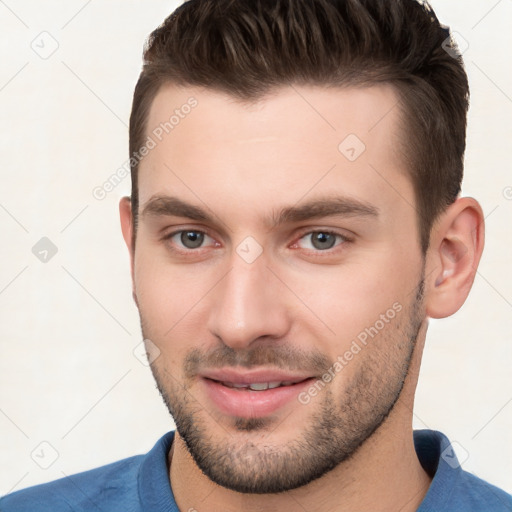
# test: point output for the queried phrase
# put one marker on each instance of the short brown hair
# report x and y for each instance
(246, 48)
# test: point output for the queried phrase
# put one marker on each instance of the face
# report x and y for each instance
(278, 275)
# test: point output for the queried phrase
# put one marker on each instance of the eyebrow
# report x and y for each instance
(325, 207)
(329, 206)
(159, 206)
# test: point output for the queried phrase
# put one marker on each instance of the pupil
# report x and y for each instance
(323, 240)
(192, 239)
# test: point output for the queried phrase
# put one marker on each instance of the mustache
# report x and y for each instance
(280, 356)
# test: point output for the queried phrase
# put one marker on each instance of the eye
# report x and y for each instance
(190, 239)
(320, 240)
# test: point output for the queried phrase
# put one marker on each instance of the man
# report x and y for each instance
(295, 219)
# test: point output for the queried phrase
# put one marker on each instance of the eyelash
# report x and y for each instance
(342, 239)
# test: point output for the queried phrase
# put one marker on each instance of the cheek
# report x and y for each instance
(172, 301)
(349, 298)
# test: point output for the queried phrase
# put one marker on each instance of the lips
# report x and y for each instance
(246, 377)
(253, 393)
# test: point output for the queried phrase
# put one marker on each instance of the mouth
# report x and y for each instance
(259, 386)
(253, 394)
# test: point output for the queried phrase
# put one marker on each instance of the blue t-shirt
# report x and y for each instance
(141, 484)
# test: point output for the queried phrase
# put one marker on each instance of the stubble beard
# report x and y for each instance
(333, 434)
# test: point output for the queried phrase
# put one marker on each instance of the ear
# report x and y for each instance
(456, 245)
(125, 213)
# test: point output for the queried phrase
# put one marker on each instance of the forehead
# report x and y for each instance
(325, 113)
(293, 142)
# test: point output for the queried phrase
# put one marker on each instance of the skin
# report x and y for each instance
(242, 163)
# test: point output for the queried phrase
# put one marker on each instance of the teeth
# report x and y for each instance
(258, 386)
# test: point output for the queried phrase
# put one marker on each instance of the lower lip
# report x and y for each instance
(246, 403)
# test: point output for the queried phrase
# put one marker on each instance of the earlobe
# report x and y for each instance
(457, 242)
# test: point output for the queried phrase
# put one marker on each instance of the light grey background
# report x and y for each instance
(68, 373)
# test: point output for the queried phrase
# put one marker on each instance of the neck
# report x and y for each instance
(383, 475)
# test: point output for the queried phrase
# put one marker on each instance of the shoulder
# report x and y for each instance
(129, 485)
(480, 495)
(112, 487)
(453, 489)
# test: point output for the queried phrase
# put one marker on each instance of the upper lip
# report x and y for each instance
(233, 376)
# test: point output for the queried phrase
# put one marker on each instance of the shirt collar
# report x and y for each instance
(433, 449)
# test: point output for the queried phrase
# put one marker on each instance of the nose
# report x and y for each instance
(248, 305)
